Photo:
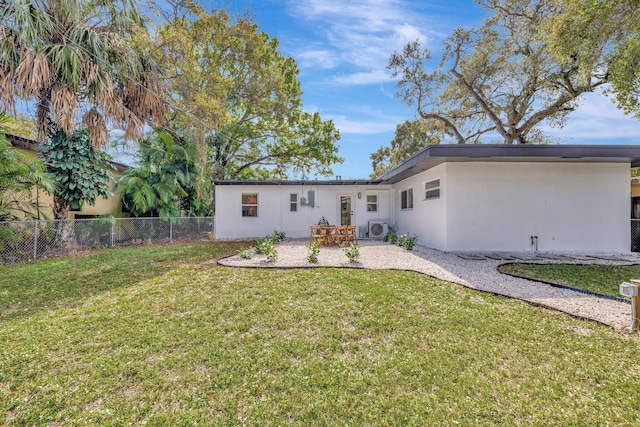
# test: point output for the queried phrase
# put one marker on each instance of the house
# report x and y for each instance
(111, 206)
(458, 198)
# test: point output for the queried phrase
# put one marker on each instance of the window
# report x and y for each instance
(293, 199)
(372, 203)
(406, 199)
(249, 205)
(432, 189)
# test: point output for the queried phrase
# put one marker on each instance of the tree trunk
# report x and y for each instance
(64, 229)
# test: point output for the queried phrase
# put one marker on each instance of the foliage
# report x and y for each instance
(406, 241)
(496, 79)
(270, 252)
(313, 250)
(246, 253)
(239, 96)
(277, 236)
(391, 237)
(19, 175)
(82, 172)
(152, 334)
(410, 137)
(352, 252)
(76, 56)
(323, 221)
(599, 279)
(168, 181)
(599, 36)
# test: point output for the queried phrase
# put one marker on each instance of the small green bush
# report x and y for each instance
(277, 236)
(391, 237)
(406, 241)
(261, 244)
(314, 251)
(246, 253)
(352, 252)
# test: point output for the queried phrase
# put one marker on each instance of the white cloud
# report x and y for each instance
(357, 35)
(316, 58)
(362, 78)
(597, 118)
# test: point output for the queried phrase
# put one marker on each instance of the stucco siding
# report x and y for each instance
(568, 206)
(274, 208)
(428, 218)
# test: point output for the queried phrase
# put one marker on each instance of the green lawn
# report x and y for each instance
(169, 344)
(599, 279)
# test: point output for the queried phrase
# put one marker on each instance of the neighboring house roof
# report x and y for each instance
(31, 145)
(434, 155)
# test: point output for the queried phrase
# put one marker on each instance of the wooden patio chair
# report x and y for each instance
(352, 237)
(315, 234)
(341, 235)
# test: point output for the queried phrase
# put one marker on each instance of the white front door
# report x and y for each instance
(346, 210)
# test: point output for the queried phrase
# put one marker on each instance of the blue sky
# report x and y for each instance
(342, 48)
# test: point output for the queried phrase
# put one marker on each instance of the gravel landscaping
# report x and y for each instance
(478, 271)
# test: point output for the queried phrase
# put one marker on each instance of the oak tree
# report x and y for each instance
(496, 82)
(236, 95)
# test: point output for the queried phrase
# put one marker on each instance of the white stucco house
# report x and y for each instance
(457, 198)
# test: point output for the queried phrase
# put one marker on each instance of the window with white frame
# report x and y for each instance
(432, 189)
(406, 199)
(372, 203)
(250, 205)
(293, 202)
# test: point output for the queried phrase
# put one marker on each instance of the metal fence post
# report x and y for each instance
(113, 235)
(35, 239)
(170, 229)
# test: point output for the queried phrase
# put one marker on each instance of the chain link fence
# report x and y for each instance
(635, 235)
(27, 240)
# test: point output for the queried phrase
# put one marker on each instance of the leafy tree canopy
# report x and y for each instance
(497, 81)
(410, 137)
(82, 172)
(237, 94)
(167, 182)
(76, 58)
(600, 36)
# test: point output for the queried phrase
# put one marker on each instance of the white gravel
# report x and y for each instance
(476, 274)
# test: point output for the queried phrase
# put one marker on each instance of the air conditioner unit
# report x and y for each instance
(378, 229)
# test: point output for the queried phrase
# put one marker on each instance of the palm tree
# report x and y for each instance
(79, 60)
(19, 174)
(166, 183)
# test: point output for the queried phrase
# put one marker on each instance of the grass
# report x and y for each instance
(199, 344)
(599, 279)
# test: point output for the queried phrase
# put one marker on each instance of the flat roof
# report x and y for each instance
(434, 155)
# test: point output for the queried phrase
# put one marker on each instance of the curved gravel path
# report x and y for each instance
(476, 274)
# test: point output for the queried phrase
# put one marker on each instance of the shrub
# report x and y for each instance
(391, 237)
(246, 253)
(261, 244)
(314, 250)
(352, 252)
(277, 236)
(269, 250)
(406, 241)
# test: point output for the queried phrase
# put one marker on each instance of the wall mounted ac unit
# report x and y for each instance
(378, 229)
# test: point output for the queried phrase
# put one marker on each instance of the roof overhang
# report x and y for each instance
(434, 155)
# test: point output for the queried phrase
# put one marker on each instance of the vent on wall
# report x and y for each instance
(378, 229)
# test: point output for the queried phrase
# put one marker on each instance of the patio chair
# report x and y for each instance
(352, 237)
(341, 236)
(315, 234)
